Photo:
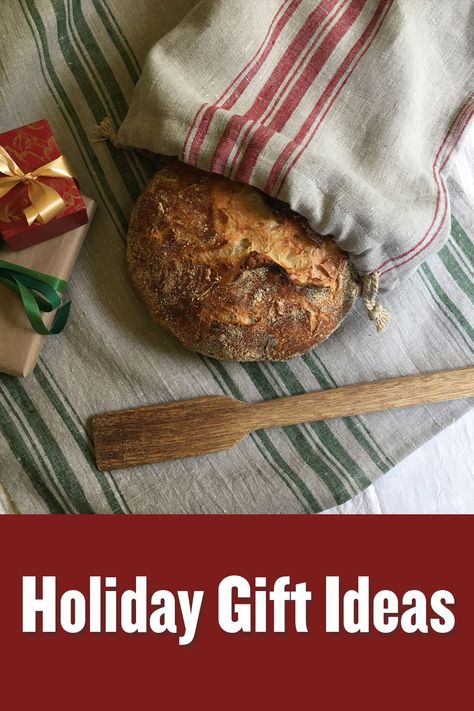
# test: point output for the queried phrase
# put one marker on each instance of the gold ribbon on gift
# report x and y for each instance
(46, 203)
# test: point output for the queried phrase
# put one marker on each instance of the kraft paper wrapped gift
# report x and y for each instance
(20, 345)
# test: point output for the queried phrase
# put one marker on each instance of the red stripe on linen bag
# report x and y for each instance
(241, 82)
(450, 142)
(282, 75)
(248, 70)
(276, 101)
(326, 48)
(276, 179)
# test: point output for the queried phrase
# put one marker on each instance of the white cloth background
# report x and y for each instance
(437, 478)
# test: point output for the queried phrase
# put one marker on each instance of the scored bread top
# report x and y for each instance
(232, 273)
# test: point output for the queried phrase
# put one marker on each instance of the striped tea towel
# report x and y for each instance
(349, 110)
(83, 61)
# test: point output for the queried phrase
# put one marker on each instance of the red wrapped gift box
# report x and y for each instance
(32, 147)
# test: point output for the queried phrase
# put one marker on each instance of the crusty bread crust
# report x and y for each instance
(231, 273)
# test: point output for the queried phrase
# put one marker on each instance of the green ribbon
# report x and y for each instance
(39, 293)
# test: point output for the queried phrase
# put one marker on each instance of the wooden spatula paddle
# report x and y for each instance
(209, 424)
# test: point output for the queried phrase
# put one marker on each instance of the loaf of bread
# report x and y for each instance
(231, 273)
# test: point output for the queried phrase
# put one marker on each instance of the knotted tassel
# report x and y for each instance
(370, 291)
(106, 131)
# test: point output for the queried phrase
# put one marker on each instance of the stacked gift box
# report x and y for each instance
(43, 223)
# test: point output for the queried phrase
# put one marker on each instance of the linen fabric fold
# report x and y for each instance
(349, 110)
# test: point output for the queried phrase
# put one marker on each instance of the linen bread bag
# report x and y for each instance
(350, 111)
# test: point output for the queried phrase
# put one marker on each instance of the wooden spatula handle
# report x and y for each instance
(194, 427)
(363, 399)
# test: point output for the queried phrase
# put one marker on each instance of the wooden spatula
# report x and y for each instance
(209, 424)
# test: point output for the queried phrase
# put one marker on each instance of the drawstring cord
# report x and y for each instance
(376, 312)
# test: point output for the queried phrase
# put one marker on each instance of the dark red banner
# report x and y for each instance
(189, 612)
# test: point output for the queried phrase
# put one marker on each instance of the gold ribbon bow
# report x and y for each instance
(46, 203)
